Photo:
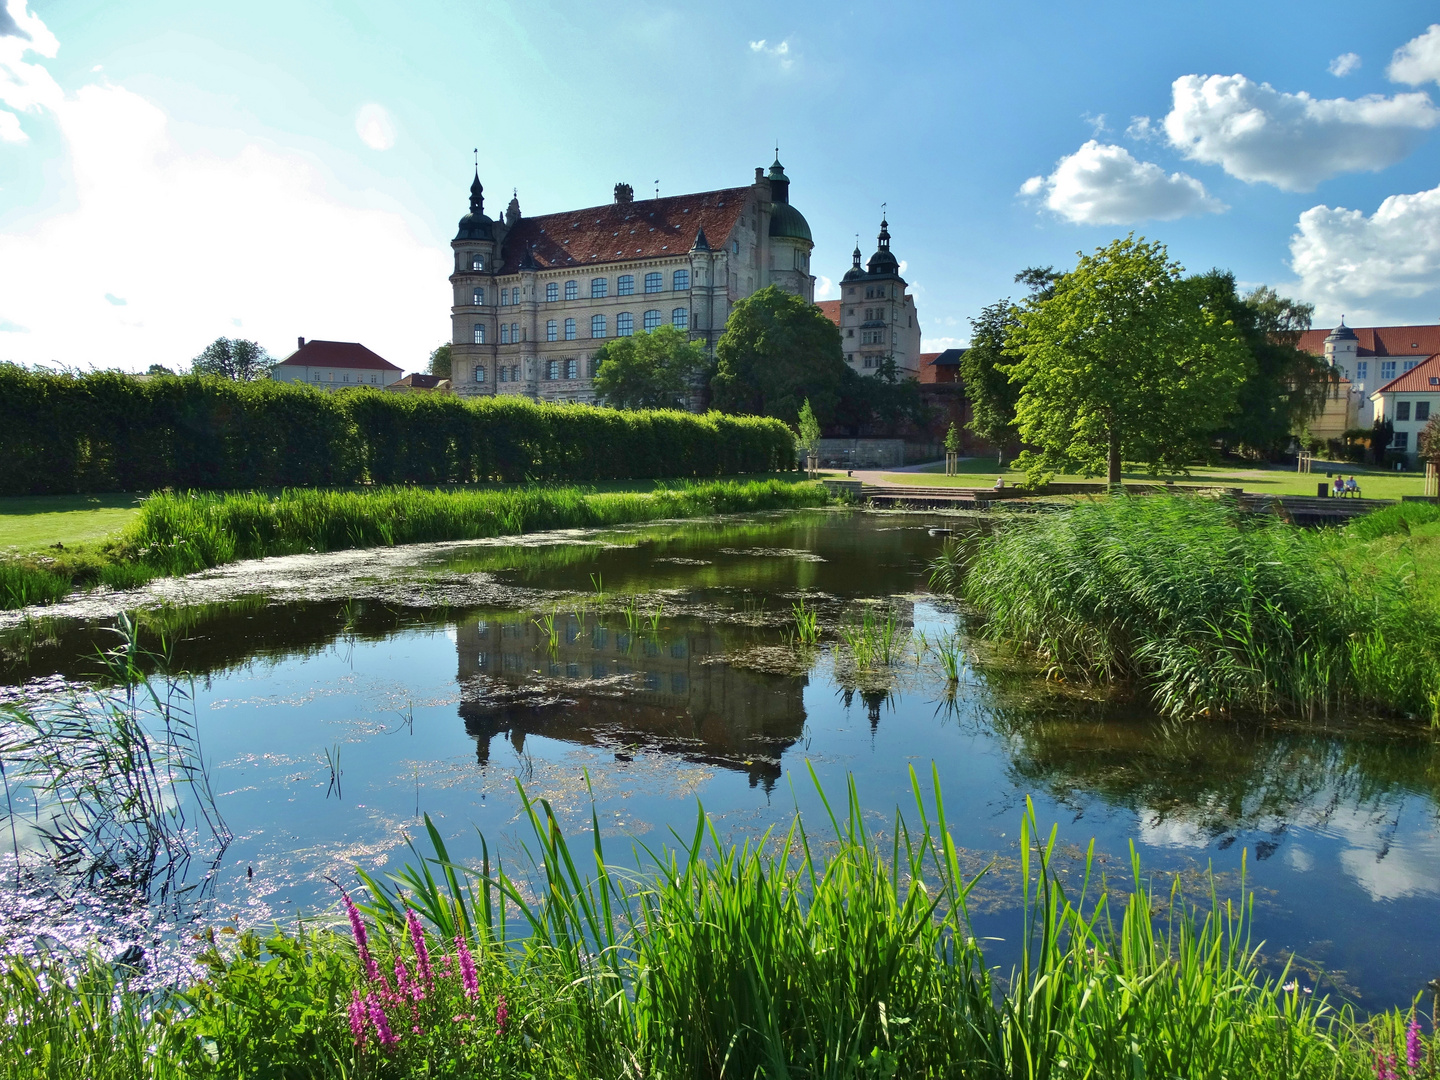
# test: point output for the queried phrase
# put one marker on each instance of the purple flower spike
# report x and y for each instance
(422, 952)
(383, 1034)
(1412, 1044)
(357, 1017)
(362, 939)
(467, 968)
(502, 1015)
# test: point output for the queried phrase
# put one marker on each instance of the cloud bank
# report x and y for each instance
(1418, 60)
(1103, 184)
(1293, 141)
(197, 243)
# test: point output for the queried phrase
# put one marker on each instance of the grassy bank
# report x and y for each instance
(717, 961)
(179, 533)
(1210, 610)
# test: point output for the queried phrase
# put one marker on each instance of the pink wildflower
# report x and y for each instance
(467, 968)
(422, 953)
(383, 1034)
(362, 939)
(357, 1017)
(502, 1015)
(402, 977)
(1412, 1044)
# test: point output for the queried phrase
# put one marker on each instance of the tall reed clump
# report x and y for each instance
(181, 532)
(715, 960)
(1208, 609)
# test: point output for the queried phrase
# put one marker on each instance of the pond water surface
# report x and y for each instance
(649, 668)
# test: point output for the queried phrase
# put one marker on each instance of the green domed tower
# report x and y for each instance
(790, 239)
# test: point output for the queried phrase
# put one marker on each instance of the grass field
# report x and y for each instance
(31, 522)
(1374, 483)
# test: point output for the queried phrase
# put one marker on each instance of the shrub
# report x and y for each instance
(110, 432)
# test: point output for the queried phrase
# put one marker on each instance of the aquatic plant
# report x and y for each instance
(951, 657)
(715, 959)
(1208, 609)
(873, 639)
(807, 623)
(22, 585)
(546, 625)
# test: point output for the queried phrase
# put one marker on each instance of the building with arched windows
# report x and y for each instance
(534, 298)
(876, 314)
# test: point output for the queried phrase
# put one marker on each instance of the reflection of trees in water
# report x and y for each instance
(1220, 776)
(603, 684)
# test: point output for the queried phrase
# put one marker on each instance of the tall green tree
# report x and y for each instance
(233, 358)
(1124, 360)
(651, 370)
(1286, 387)
(778, 350)
(985, 365)
(440, 361)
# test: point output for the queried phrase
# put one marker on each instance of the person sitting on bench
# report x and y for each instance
(999, 484)
(1351, 487)
(1338, 489)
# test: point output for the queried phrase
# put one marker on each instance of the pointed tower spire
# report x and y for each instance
(477, 194)
(701, 244)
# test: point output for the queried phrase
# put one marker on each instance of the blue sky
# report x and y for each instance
(171, 172)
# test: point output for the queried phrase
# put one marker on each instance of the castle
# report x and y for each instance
(535, 298)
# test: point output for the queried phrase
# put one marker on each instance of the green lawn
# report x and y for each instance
(1374, 484)
(31, 522)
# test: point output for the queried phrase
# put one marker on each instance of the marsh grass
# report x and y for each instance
(873, 639)
(807, 954)
(806, 623)
(1208, 610)
(181, 533)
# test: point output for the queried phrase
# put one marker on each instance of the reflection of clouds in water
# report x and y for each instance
(1300, 859)
(1170, 832)
(1389, 864)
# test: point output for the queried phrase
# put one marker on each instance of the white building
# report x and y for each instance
(533, 299)
(876, 313)
(335, 365)
(1364, 358)
(1408, 402)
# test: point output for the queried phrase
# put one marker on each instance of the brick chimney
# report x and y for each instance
(302, 343)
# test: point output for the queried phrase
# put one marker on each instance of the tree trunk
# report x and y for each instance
(1114, 472)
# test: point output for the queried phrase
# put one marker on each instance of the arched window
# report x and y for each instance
(477, 296)
(654, 282)
(652, 320)
(680, 318)
(599, 287)
(479, 372)
(552, 330)
(597, 326)
(477, 262)
(625, 285)
(624, 324)
(681, 280)
(552, 291)
(572, 290)
(569, 329)
(504, 333)
(479, 333)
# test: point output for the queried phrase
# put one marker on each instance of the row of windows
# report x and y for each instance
(599, 288)
(599, 326)
(1422, 411)
(360, 379)
(554, 369)
(1387, 369)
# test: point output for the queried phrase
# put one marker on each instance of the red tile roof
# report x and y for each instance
(1381, 340)
(1424, 377)
(340, 354)
(647, 229)
(830, 309)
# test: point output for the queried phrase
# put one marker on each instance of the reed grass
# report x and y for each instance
(801, 954)
(1208, 610)
(181, 533)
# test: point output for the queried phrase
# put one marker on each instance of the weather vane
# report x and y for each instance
(476, 152)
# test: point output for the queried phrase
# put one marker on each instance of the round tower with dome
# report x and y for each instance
(878, 320)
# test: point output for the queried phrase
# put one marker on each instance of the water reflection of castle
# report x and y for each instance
(604, 685)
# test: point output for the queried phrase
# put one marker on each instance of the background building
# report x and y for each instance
(1365, 358)
(1409, 401)
(876, 313)
(535, 298)
(334, 365)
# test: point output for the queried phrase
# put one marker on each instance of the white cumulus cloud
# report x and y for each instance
(374, 126)
(1103, 184)
(193, 241)
(1294, 141)
(1348, 262)
(940, 344)
(825, 288)
(1344, 64)
(1418, 60)
(780, 51)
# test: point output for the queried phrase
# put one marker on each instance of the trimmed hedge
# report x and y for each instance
(63, 434)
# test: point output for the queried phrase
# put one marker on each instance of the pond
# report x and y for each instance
(339, 699)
